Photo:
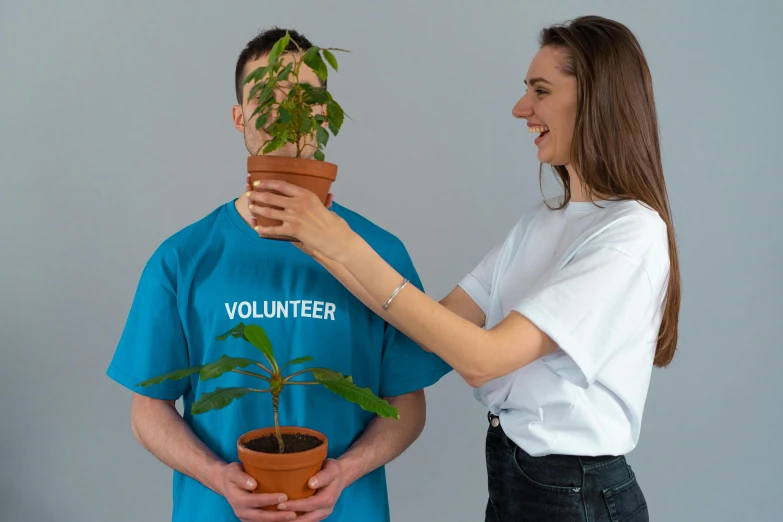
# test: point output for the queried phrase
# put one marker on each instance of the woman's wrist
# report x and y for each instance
(351, 251)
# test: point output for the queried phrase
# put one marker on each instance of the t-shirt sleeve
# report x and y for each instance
(405, 366)
(478, 283)
(153, 342)
(590, 308)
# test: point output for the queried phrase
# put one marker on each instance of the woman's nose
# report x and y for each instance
(522, 109)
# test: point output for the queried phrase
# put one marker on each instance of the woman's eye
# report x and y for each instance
(540, 92)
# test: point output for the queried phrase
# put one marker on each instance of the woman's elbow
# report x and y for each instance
(475, 377)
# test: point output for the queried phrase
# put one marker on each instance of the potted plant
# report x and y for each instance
(280, 458)
(295, 112)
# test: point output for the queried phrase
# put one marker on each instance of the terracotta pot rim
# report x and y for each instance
(288, 165)
(280, 458)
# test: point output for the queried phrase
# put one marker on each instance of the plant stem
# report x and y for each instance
(252, 374)
(298, 123)
(302, 382)
(275, 403)
(267, 370)
(300, 372)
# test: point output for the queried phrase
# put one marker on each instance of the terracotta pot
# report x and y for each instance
(315, 176)
(286, 473)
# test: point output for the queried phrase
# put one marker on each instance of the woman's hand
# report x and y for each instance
(304, 217)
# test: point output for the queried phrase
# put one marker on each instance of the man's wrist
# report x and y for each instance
(351, 469)
(214, 476)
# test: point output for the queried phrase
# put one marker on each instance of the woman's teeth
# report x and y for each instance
(538, 129)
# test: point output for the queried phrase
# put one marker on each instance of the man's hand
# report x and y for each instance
(238, 487)
(329, 484)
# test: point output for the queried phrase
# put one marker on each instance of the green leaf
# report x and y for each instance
(257, 75)
(262, 119)
(315, 95)
(276, 128)
(284, 115)
(336, 115)
(223, 365)
(331, 59)
(220, 398)
(171, 376)
(267, 95)
(345, 388)
(283, 75)
(327, 374)
(258, 338)
(310, 53)
(273, 145)
(298, 360)
(265, 106)
(307, 126)
(257, 88)
(319, 156)
(279, 47)
(322, 136)
(237, 332)
(316, 63)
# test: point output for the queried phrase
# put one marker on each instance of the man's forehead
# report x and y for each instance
(306, 74)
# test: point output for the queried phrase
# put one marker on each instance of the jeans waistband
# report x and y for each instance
(588, 461)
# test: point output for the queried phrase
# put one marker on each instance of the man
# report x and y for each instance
(206, 278)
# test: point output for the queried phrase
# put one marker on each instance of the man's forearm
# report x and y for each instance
(163, 432)
(385, 439)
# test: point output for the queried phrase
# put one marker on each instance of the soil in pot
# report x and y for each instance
(292, 442)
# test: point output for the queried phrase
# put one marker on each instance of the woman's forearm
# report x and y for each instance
(478, 355)
(349, 281)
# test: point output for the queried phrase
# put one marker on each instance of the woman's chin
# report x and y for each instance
(543, 157)
(550, 159)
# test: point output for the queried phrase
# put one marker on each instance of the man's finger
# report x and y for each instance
(237, 476)
(324, 477)
(258, 515)
(323, 499)
(259, 500)
(315, 516)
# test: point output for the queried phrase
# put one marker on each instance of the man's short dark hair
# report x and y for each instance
(261, 45)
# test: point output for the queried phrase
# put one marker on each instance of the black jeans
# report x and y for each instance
(559, 488)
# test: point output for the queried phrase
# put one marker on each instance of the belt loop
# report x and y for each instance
(494, 420)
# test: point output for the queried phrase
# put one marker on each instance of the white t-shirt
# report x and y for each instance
(594, 280)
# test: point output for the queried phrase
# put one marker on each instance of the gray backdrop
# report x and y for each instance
(115, 131)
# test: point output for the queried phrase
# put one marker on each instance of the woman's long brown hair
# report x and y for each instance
(616, 147)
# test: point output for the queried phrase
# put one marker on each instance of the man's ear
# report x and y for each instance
(239, 118)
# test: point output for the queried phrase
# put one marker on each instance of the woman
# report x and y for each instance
(559, 327)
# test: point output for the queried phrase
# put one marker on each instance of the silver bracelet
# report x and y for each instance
(394, 294)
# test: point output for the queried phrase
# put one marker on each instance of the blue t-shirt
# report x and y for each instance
(217, 272)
